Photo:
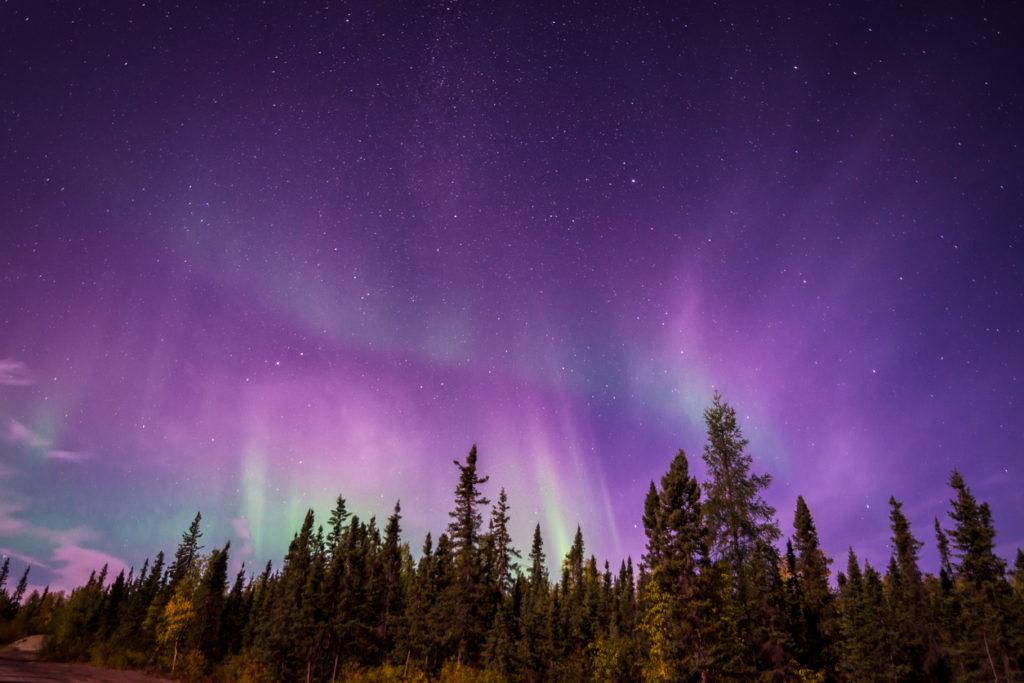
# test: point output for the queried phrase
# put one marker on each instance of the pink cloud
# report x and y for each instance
(19, 434)
(70, 560)
(73, 564)
(14, 373)
(241, 526)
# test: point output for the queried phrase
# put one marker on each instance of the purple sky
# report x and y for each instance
(256, 256)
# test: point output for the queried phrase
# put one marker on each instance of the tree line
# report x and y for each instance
(714, 598)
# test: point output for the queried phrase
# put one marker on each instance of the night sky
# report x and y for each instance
(255, 255)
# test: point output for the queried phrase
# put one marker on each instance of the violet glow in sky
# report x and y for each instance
(260, 255)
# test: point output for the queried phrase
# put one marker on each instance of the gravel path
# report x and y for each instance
(22, 667)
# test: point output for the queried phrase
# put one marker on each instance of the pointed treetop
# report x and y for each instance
(466, 519)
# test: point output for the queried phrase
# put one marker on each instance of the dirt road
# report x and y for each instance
(22, 667)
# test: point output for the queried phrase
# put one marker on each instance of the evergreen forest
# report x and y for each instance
(717, 596)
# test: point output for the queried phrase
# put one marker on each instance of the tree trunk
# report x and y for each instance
(995, 676)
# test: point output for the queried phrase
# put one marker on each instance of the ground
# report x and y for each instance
(18, 664)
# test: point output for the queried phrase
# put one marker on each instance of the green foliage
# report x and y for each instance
(983, 645)
(736, 515)
(380, 674)
(654, 625)
(864, 648)
(454, 672)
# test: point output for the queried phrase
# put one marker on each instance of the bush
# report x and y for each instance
(242, 668)
(379, 674)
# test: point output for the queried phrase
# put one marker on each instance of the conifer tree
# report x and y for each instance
(915, 640)
(572, 617)
(18, 594)
(336, 525)
(534, 652)
(501, 652)
(236, 614)
(417, 628)
(254, 635)
(110, 615)
(188, 551)
(134, 629)
(1015, 617)
(538, 574)
(464, 531)
(818, 620)
(741, 533)
(945, 563)
(447, 631)
(210, 602)
(1018, 574)
(864, 650)
(391, 559)
(980, 585)
(6, 611)
(625, 599)
(736, 514)
(504, 551)
(290, 625)
(676, 536)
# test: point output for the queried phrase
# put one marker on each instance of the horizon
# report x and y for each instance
(552, 562)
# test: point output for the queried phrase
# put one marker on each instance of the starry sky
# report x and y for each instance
(254, 255)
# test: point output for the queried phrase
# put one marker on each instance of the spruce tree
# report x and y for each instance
(210, 601)
(391, 559)
(290, 624)
(236, 615)
(112, 606)
(135, 630)
(504, 551)
(445, 618)
(534, 652)
(188, 551)
(336, 524)
(736, 514)
(980, 586)
(464, 532)
(818, 619)
(741, 533)
(676, 537)
(865, 654)
(538, 574)
(417, 628)
(573, 617)
(19, 591)
(1018, 574)
(915, 639)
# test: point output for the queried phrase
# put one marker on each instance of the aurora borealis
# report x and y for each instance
(254, 256)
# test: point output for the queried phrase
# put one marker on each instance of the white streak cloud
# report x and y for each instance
(69, 456)
(21, 435)
(14, 373)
